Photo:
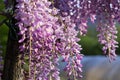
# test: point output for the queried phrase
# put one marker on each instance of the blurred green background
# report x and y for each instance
(3, 29)
(89, 42)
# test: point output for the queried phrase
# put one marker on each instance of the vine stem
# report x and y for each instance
(5, 14)
(34, 72)
(2, 22)
(50, 77)
(74, 73)
(30, 51)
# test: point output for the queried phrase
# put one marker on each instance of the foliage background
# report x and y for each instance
(89, 42)
(3, 29)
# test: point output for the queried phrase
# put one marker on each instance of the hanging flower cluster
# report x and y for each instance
(107, 13)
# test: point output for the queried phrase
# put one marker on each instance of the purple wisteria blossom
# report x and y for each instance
(107, 36)
(71, 49)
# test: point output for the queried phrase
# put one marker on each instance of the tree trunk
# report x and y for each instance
(12, 65)
(12, 62)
